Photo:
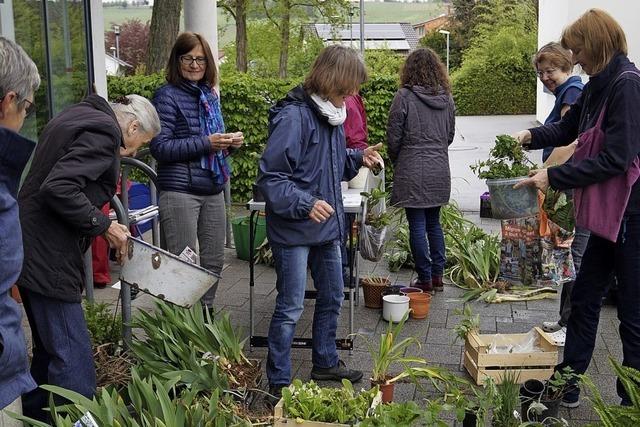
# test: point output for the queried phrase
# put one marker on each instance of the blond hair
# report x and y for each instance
(598, 35)
(338, 70)
(556, 55)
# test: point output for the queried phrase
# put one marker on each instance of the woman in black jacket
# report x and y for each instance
(192, 151)
(74, 172)
(609, 104)
(420, 129)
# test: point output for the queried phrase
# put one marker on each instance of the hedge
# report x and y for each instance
(245, 104)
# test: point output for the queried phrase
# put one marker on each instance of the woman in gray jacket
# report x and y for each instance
(420, 129)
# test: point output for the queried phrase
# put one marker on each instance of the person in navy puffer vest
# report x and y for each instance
(192, 151)
(19, 80)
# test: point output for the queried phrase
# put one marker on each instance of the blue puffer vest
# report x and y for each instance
(180, 146)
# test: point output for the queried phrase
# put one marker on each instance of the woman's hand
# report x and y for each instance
(117, 235)
(321, 211)
(237, 139)
(220, 141)
(524, 138)
(371, 157)
(538, 178)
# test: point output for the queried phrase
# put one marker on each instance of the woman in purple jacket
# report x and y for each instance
(599, 45)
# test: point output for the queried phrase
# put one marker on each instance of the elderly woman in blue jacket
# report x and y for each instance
(299, 175)
(192, 151)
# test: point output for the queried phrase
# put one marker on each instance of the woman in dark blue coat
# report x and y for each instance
(192, 151)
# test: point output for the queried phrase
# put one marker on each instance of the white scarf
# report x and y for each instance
(335, 115)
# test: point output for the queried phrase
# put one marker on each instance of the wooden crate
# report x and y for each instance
(480, 364)
(280, 421)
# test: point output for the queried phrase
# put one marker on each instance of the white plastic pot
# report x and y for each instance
(394, 307)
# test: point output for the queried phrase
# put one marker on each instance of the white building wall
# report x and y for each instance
(557, 14)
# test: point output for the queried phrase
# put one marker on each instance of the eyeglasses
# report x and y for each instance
(188, 60)
(548, 72)
(30, 108)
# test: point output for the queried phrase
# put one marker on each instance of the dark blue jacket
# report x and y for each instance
(621, 127)
(566, 94)
(14, 364)
(180, 146)
(304, 161)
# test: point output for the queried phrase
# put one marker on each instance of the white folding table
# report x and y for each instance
(352, 202)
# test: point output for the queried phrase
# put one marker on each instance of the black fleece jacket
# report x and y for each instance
(621, 125)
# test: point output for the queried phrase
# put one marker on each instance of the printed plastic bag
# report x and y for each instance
(372, 237)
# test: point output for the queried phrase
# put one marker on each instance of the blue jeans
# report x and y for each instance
(427, 241)
(62, 353)
(600, 259)
(291, 270)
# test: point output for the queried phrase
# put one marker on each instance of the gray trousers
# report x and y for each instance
(580, 240)
(198, 222)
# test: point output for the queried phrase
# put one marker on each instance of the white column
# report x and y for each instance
(201, 16)
(97, 37)
(6, 20)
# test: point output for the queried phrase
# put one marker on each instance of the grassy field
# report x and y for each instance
(373, 12)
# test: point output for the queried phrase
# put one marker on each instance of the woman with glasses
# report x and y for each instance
(603, 174)
(553, 66)
(192, 150)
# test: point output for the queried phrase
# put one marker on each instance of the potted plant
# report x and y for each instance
(373, 288)
(308, 403)
(507, 166)
(376, 219)
(391, 351)
(545, 405)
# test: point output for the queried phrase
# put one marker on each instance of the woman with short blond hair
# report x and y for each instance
(299, 175)
(606, 115)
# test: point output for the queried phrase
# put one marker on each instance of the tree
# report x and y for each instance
(283, 12)
(133, 42)
(165, 25)
(438, 42)
(238, 10)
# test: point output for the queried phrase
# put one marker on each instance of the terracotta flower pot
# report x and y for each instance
(386, 389)
(419, 303)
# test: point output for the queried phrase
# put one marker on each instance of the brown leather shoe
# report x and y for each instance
(426, 286)
(436, 281)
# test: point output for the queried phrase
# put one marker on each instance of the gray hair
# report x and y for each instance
(136, 107)
(18, 72)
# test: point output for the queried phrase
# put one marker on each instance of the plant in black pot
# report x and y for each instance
(542, 404)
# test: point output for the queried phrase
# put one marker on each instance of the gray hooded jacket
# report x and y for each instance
(420, 129)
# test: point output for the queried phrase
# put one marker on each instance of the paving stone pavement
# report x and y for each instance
(474, 137)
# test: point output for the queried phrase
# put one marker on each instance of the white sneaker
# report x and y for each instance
(551, 326)
(558, 337)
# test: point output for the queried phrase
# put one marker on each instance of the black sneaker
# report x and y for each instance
(275, 394)
(337, 373)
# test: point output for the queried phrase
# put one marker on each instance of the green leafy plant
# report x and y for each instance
(310, 402)
(507, 401)
(405, 414)
(561, 382)
(104, 323)
(470, 323)
(146, 402)
(375, 198)
(205, 353)
(506, 160)
(617, 415)
(559, 209)
(400, 254)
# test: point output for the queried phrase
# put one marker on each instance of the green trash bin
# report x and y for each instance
(240, 227)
